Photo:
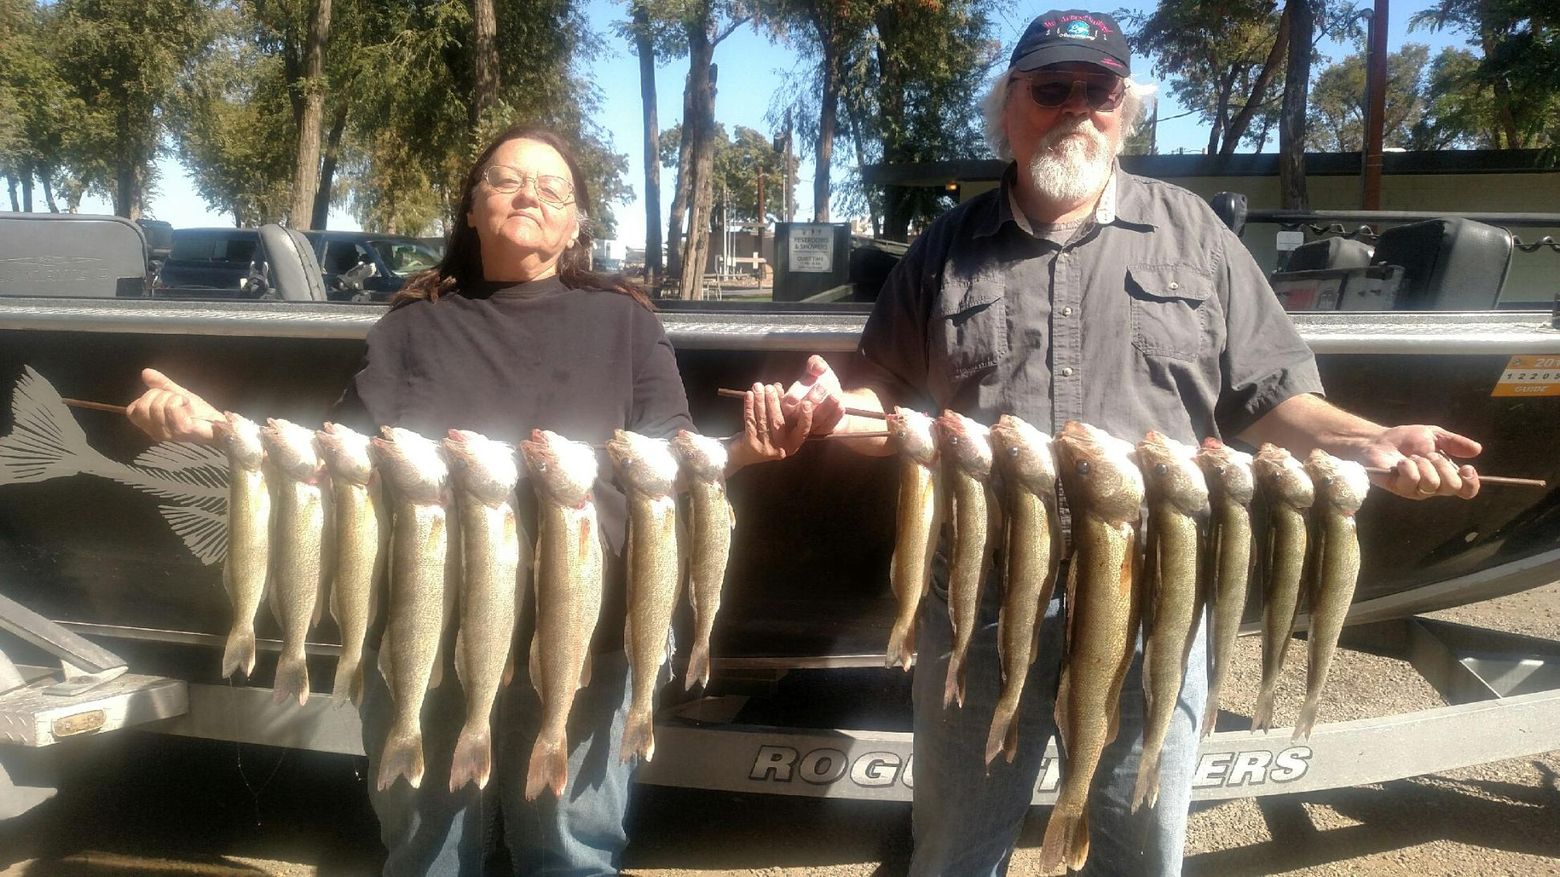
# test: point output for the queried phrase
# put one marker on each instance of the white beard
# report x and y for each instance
(1068, 169)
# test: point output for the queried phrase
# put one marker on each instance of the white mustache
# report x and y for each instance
(1079, 125)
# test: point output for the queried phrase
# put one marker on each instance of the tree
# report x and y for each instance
(642, 33)
(1514, 83)
(125, 60)
(306, 170)
(1291, 126)
(37, 111)
(1338, 102)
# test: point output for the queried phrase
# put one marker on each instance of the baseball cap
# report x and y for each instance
(1066, 35)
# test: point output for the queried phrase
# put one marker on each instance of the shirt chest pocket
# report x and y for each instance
(1169, 309)
(970, 333)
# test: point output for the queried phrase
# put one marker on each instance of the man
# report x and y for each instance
(1076, 291)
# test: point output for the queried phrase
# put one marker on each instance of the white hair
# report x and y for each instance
(995, 105)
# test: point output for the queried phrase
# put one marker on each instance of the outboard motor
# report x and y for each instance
(1452, 264)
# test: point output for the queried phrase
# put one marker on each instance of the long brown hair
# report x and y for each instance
(461, 266)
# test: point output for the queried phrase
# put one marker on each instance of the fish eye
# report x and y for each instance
(542, 466)
(953, 439)
(1218, 470)
(1324, 480)
(1082, 467)
(1161, 469)
(1013, 452)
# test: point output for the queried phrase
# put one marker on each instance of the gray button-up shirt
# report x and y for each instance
(1153, 317)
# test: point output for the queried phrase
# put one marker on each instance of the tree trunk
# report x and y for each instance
(320, 216)
(1242, 121)
(1291, 128)
(1506, 121)
(646, 49)
(1221, 110)
(898, 201)
(680, 199)
(702, 186)
(48, 193)
(27, 187)
(127, 194)
(827, 120)
(306, 171)
(484, 25)
(10, 185)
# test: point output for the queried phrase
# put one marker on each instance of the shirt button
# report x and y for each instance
(1066, 312)
(1067, 372)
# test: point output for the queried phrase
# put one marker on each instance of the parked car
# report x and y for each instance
(393, 257)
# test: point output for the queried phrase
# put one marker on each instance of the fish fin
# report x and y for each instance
(473, 758)
(1059, 849)
(698, 672)
(638, 737)
(203, 529)
(1147, 790)
(996, 739)
(534, 663)
(585, 672)
(549, 769)
(240, 651)
(1210, 715)
(1010, 745)
(460, 655)
(953, 688)
(1262, 718)
(292, 679)
(402, 757)
(731, 516)
(436, 678)
(1063, 698)
(45, 441)
(509, 669)
(1078, 851)
(1307, 719)
(349, 682)
(899, 651)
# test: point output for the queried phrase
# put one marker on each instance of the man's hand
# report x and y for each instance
(818, 388)
(1420, 460)
(768, 434)
(168, 412)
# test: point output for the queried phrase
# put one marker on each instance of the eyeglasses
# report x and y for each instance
(1101, 91)
(506, 180)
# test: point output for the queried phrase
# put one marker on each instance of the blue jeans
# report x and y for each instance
(430, 831)
(966, 821)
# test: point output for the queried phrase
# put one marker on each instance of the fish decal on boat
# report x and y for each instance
(191, 480)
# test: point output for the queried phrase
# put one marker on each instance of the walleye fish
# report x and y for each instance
(1104, 491)
(918, 523)
(1341, 486)
(1289, 493)
(568, 581)
(297, 548)
(1028, 464)
(1230, 488)
(248, 544)
(416, 470)
(648, 472)
(966, 450)
(361, 532)
(711, 520)
(485, 473)
(1177, 508)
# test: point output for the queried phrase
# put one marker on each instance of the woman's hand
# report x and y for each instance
(818, 388)
(168, 412)
(1420, 460)
(767, 433)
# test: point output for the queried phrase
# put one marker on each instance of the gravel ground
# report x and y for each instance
(143, 804)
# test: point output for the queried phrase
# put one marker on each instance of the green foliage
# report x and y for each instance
(1337, 119)
(737, 167)
(1511, 96)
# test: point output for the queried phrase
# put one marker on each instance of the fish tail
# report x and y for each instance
(349, 681)
(292, 679)
(549, 769)
(1002, 728)
(473, 758)
(900, 652)
(240, 651)
(1262, 720)
(638, 736)
(403, 757)
(1066, 840)
(1211, 714)
(1307, 720)
(45, 441)
(953, 689)
(1147, 791)
(698, 666)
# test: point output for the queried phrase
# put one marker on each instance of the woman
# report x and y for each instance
(513, 331)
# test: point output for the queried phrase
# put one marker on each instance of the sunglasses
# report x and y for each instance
(1100, 91)
(506, 180)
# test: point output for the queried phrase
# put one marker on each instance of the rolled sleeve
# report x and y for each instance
(892, 358)
(1265, 361)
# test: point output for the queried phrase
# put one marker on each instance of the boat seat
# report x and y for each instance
(1329, 253)
(292, 270)
(69, 255)
(1451, 264)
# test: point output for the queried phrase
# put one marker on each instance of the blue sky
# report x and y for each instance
(751, 70)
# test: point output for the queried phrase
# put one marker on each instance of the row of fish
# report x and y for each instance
(1193, 554)
(308, 517)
